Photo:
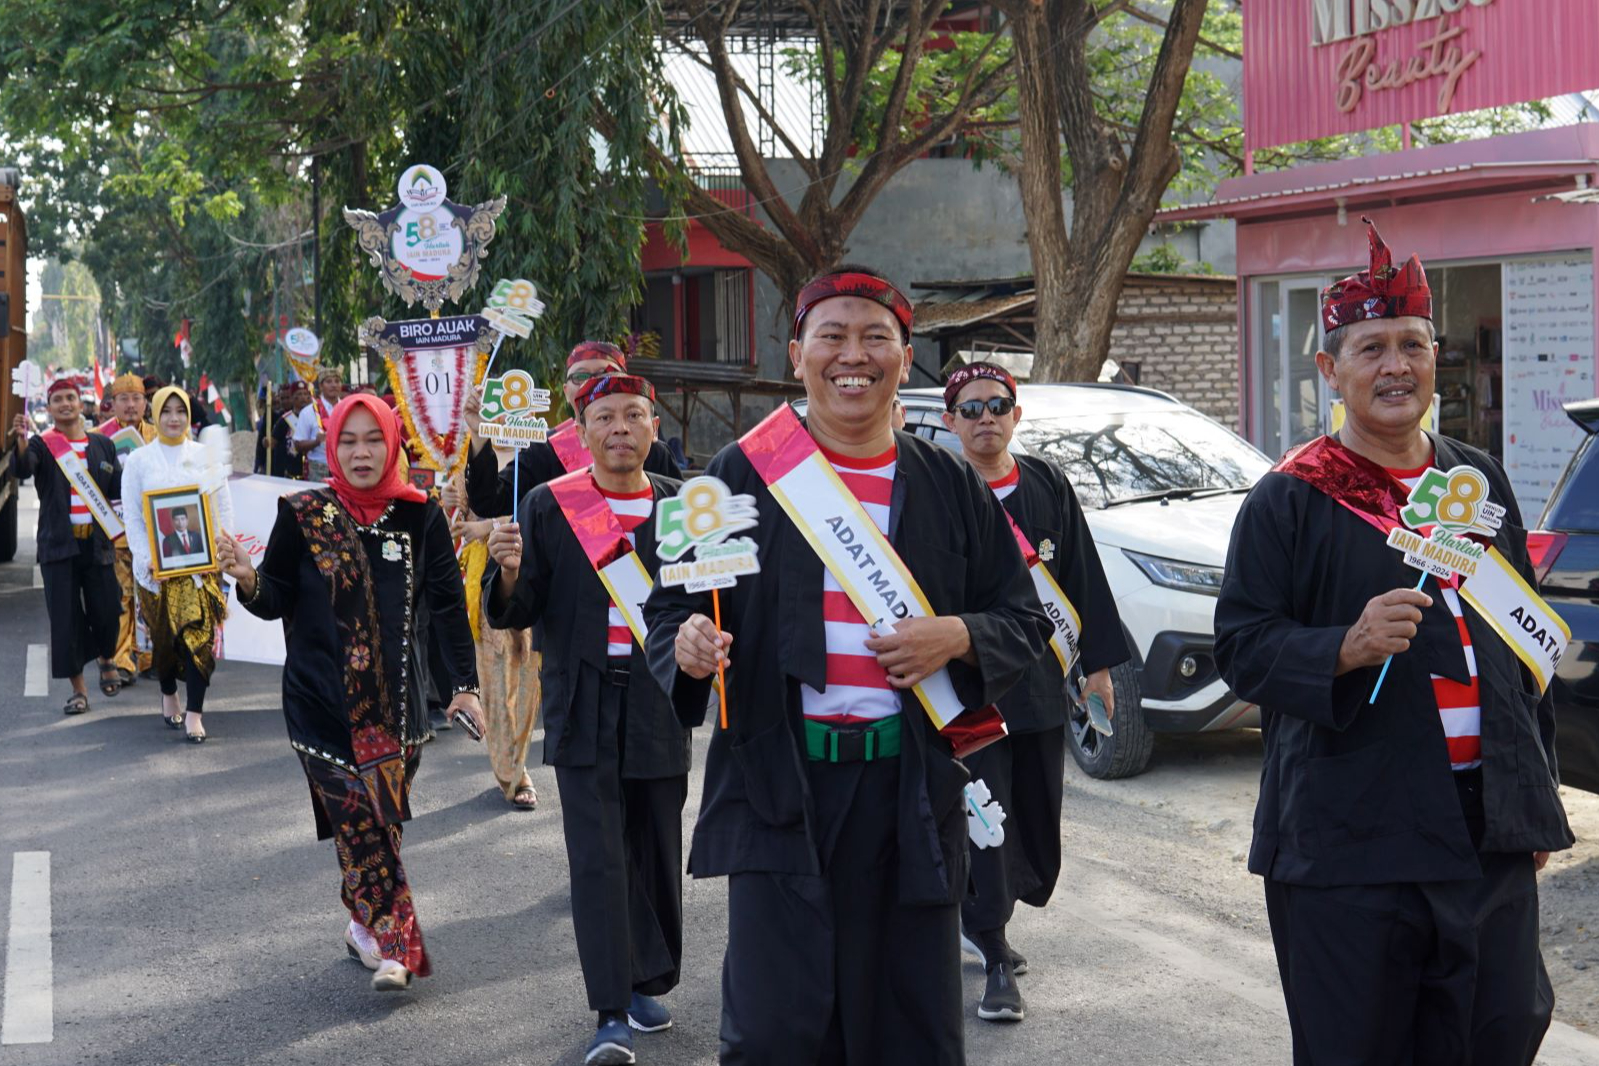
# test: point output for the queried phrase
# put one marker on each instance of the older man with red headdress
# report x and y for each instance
(620, 755)
(1402, 818)
(490, 490)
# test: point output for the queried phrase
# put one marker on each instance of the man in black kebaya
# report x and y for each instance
(620, 755)
(1399, 830)
(833, 797)
(1025, 772)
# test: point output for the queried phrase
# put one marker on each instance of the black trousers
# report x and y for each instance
(1444, 972)
(831, 968)
(624, 847)
(84, 602)
(1026, 773)
(194, 682)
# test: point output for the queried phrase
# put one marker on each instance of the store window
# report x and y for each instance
(1291, 401)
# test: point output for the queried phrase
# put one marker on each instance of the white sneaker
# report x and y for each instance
(362, 945)
(391, 977)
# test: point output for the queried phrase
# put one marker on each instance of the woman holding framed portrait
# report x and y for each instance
(172, 528)
(346, 568)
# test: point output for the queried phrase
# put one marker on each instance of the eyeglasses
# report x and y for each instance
(578, 377)
(998, 406)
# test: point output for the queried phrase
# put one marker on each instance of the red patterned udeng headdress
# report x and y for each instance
(865, 286)
(611, 385)
(1380, 292)
(605, 350)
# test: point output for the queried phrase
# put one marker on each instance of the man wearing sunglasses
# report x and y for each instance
(1025, 772)
(491, 491)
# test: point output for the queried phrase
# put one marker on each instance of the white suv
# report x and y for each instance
(1160, 484)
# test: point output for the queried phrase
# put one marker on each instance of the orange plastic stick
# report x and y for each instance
(721, 678)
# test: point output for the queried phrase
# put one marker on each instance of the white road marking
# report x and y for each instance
(29, 1016)
(38, 576)
(36, 682)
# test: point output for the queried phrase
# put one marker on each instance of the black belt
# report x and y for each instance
(619, 675)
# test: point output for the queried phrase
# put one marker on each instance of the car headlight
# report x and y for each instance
(1171, 574)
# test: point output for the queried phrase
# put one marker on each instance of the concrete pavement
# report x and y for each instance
(196, 920)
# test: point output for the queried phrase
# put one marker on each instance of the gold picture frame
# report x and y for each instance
(167, 557)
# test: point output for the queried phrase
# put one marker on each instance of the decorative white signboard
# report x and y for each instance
(1548, 362)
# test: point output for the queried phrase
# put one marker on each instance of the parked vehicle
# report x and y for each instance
(1565, 555)
(1161, 485)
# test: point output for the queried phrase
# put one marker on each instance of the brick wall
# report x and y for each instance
(1182, 331)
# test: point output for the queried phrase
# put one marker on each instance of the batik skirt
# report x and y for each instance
(373, 885)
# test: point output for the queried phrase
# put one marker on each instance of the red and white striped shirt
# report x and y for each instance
(1007, 484)
(857, 688)
(630, 509)
(1459, 705)
(79, 511)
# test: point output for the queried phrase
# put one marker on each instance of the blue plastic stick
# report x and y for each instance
(1390, 660)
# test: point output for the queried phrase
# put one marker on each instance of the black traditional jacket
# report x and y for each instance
(54, 538)
(1352, 793)
(420, 566)
(491, 491)
(557, 585)
(1045, 507)
(757, 812)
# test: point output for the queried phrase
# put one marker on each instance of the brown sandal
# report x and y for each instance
(525, 798)
(77, 703)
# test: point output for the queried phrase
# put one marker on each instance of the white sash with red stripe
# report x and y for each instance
(83, 484)
(843, 535)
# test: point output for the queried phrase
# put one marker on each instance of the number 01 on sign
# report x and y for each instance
(702, 517)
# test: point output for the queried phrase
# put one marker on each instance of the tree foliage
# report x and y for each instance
(174, 147)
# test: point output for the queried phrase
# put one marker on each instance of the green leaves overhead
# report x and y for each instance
(172, 146)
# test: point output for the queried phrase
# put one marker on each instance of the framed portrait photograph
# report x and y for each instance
(182, 529)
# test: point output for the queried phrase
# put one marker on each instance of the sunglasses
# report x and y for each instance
(578, 377)
(998, 406)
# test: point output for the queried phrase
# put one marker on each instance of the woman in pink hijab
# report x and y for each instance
(345, 569)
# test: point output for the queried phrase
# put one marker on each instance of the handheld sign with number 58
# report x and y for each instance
(703, 516)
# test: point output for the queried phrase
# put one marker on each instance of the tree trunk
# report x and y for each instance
(1116, 189)
(1040, 183)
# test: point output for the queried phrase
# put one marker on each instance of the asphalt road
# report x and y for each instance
(194, 919)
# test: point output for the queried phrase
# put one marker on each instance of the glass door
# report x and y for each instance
(1304, 411)
(1290, 399)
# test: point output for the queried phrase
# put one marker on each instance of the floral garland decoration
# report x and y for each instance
(431, 451)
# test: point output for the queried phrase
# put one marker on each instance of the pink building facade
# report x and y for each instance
(1511, 266)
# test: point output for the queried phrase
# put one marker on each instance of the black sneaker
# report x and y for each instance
(1018, 961)
(438, 720)
(648, 1014)
(1002, 1000)
(612, 1044)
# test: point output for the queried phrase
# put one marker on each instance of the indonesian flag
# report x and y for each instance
(208, 391)
(181, 343)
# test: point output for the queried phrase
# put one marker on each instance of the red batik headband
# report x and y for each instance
(1379, 292)
(587, 350)
(63, 383)
(611, 385)
(975, 372)
(865, 286)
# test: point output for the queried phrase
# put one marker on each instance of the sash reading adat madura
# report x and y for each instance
(857, 554)
(1066, 624)
(601, 536)
(82, 482)
(1498, 594)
